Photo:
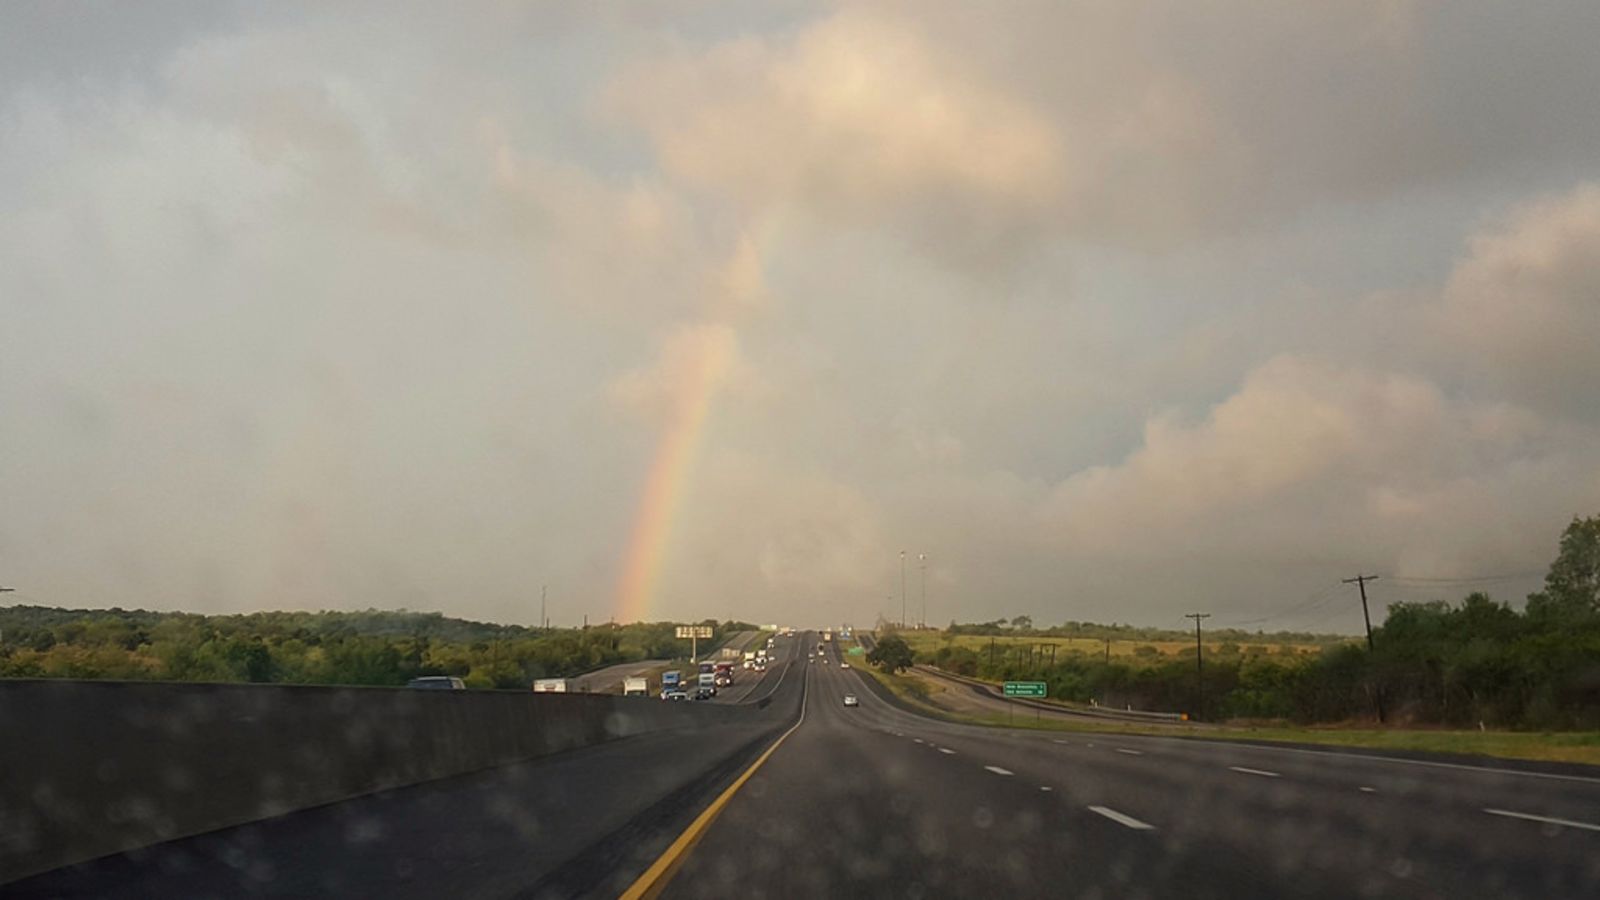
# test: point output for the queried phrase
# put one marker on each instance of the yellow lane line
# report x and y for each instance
(655, 879)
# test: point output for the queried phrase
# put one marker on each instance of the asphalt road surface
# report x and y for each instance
(874, 801)
(608, 679)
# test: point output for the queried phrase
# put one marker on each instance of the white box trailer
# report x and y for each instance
(635, 687)
(550, 686)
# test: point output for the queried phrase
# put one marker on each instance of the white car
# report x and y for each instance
(850, 700)
(843, 664)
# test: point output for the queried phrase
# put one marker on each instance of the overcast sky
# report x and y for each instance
(1115, 310)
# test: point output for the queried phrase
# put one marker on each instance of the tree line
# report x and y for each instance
(368, 647)
(1476, 661)
(1023, 626)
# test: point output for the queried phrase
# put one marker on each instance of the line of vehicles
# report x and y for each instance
(710, 677)
(713, 675)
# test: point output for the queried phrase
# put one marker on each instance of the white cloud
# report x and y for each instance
(1324, 460)
(1521, 312)
(856, 117)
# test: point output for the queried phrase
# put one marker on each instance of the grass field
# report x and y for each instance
(1575, 747)
(925, 643)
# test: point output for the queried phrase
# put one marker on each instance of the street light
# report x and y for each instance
(902, 590)
(922, 563)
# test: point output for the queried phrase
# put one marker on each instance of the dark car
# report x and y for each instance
(704, 693)
(437, 683)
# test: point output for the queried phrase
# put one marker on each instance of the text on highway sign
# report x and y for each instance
(1026, 689)
(694, 631)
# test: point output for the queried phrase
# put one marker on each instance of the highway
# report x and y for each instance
(807, 798)
(876, 802)
(608, 679)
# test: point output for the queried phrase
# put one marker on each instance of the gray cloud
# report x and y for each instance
(1112, 310)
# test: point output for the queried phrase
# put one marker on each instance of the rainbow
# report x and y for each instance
(707, 362)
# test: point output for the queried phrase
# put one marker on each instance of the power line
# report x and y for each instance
(1313, 600)
(1469, 579)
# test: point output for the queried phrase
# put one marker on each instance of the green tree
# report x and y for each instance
(1572, 585)
(891, 654)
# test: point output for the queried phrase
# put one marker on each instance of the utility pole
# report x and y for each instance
(1108, 651)
(1360, 581)
(544, 621)
(1199, 666)
(922, 563)
(5, 590)
(902, 590)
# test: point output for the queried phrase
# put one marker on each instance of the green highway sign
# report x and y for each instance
(1026, 689)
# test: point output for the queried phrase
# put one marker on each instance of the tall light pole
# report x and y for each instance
(902, 590)
(922, 564)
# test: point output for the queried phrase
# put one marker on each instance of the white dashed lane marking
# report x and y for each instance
(1262, 772)
(998, 771)
(1565, 823)
(1121, 818)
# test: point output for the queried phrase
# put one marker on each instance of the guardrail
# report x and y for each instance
(1099, 712)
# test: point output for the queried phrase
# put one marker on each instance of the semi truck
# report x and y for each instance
(706, 686)
(635, 687)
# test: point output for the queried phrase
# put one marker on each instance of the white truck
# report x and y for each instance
(550, 686)
(635, 687)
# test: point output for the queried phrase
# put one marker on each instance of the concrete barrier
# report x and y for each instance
(89, 768)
